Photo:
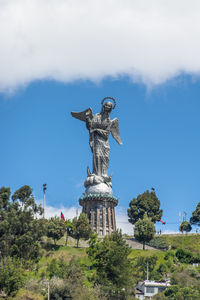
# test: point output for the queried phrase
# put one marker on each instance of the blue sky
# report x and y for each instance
(67, 57)
(42, 143)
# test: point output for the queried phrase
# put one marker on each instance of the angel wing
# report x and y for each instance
(83, 115)
(115, 130)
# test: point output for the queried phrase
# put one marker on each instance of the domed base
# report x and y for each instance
(101, 188)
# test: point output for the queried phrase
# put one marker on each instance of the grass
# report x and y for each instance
(58, 251)
(189, 242)
(146, 253)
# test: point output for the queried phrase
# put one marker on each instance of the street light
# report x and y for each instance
(44, 189)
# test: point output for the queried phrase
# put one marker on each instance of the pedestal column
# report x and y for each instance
(95, 207)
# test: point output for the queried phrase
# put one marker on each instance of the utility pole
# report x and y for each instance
(147, 271)
(185, 216)
(44, 189)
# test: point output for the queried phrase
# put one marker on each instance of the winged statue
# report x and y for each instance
(99, 126)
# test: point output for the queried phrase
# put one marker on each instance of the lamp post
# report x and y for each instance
(44, 189)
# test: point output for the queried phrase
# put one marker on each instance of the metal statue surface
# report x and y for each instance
(100, 126)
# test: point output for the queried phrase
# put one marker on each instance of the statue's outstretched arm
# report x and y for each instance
(83, 115)
(115, 130)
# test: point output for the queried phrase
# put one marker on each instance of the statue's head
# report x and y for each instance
(108, 106)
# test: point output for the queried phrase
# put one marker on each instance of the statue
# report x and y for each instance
(100, 125)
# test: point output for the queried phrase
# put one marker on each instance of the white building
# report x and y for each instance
(149, 288)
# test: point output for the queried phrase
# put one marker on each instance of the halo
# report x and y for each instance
(111, 98)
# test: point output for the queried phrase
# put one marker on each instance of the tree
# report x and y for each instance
(144, 203)
(195, 219)
(67, 280)
(20, 230)
(12, 276)
(141, 266)
(113, 267)
(144, 230)
(69, 229)
(55, 229)
(185, 226)
(81, 228)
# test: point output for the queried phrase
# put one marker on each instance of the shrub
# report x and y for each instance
(184, 256)
(159, 243)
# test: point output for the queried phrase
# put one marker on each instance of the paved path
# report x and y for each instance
(136, 245)
(131, 242)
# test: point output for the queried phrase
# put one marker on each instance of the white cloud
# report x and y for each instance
(122, 221)
(120, 212)
(71, 212)
(67, 40)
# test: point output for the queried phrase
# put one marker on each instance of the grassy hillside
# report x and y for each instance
(189, 242)
(165, 262)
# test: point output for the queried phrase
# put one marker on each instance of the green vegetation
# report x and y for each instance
(144, 230)
(195, 219)
(55, 229)
(185, 227)
(34, 256)
(148, 203)
(189, 242)
(159, 242)
(81, 228)
(20, 231)
(114, 271)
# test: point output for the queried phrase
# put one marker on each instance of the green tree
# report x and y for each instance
(67, 280)
(55, 229)
(185, 284)
(185, 226)
(69, 229)
(81, 228)
(144, 203)
(144, 230)
(195, 219)
(20, 230)
(141, 266)
(93, 244)
(12, 276)
(113, 267)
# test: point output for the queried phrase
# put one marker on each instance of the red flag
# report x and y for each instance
(62, 217)
(162, 222)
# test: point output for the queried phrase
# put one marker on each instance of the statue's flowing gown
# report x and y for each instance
(99, 129)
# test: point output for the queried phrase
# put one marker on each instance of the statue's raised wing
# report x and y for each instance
(115, 130)
(83, 115)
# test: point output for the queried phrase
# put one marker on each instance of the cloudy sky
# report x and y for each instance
(58, 56)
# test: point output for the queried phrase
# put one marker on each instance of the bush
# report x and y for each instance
(159, 243)
(30, 295)
(11, 276)
(185, 256)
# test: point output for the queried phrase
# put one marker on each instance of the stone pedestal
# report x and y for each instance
(100, 209)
